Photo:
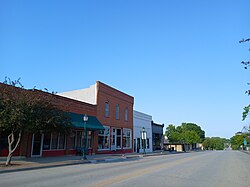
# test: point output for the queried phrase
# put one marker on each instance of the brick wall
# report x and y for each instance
(114, 97)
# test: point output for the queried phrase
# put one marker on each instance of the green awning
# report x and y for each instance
(92, 123)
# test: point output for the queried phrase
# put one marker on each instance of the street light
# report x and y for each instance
(85, 119)
(144, 137)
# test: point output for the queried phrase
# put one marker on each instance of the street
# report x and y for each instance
(210, 168)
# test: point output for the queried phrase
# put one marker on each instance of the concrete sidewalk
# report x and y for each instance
(24, 164)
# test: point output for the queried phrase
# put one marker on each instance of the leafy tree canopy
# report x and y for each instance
(186, 133)
(23, 110)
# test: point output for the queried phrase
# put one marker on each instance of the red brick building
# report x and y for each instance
(114, 111)
(54, 144)
(109, 128)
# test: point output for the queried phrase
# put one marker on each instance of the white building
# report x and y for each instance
(142, 120)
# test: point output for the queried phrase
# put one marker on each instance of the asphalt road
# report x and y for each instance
(211, 168)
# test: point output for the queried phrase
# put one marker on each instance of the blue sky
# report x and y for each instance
(179, 59)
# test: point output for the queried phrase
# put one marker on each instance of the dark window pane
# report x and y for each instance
(46, 141)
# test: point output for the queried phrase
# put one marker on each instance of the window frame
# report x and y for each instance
(105, 135)
(126, 114)
(106, 114)
(124, 136)
(117, 112)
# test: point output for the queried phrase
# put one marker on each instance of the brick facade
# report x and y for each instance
(62, 103)
(114, 97)
(104, 94)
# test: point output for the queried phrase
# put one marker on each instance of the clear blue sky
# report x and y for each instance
(179, 59)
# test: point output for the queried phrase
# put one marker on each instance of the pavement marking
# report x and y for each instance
(141, 172)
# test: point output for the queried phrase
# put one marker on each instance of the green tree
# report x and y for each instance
(191, 137)
(238, 140)
(214, 143)
(173, 134)
(186, 133)
(195, 128)
(246, 65)
(27, 111)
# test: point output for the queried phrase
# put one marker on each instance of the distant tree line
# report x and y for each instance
(215, 143)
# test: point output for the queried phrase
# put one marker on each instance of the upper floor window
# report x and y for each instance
(107, 109)
(117, 112)
(126, 114)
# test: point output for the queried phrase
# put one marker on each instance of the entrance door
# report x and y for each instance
(113, 145)
(37, 142)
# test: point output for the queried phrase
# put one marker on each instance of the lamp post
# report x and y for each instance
(144, 137)
(85, 119)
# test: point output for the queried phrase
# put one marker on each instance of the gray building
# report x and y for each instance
(157, 136)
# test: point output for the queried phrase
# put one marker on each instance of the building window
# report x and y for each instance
(118, 138)
(147, 143)
(104, 138)
(78, 139)
(126, 114)
(54, 141)
(117, 112)
(126, 139)
(106, 109)
(46, 141)
(62, 140)
(72, 143)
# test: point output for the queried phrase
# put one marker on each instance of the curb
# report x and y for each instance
(67, 164)
(78, 162)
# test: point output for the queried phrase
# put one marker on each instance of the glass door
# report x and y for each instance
(37, 142)
(113, 145)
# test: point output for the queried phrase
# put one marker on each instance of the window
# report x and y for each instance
(126, 114)
(104, 138)
(46, 141)
(126, 139)
(78, 138)
(117, 112)
(106, 109)
(54, 141)
(147, 143)
(72, 143)
(118, 138)
(62, 141)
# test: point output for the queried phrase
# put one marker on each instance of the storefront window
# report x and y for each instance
(62, 141)
(46, 141)
(104, 138)
(54, 142)
(126, 139)
(72, 143)
(78, 138)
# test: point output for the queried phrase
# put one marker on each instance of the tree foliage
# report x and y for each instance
(238, 140)
(214, 143)
(246, 65)
(189, 133)
(29, 111)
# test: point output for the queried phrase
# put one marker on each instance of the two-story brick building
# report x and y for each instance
(114, 111)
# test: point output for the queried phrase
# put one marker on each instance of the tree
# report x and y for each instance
(246, 65)
(195, 128)
(191, 137)
(238, 140)
(186, 133)
(27, 111)
(214, 143)
(173, 134)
